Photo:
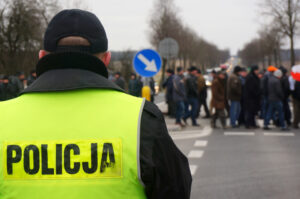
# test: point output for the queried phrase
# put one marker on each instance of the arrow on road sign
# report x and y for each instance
(150, 65)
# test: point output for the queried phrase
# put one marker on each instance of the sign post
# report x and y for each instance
(147, 63)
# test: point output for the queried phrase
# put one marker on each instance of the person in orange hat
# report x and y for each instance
(272, 69)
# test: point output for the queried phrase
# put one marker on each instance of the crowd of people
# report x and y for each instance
(242, 95)
(11, 86)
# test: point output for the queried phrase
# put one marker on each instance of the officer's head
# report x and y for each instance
(76, 30)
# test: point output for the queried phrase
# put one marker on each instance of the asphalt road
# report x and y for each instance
(241, 164)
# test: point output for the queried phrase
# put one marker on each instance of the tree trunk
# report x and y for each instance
(292, 51)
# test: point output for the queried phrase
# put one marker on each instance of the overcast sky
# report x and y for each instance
(226, 23)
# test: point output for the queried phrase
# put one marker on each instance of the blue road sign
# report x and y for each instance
(147, 63)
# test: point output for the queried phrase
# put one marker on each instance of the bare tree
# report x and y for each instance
(265, 49)
(285, 14)
(165, 22)
(21, 32)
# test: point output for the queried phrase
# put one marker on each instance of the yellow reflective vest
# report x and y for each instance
(71, 144)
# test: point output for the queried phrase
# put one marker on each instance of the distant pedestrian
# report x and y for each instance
(295, 90)
(192, 96)
(227, 106)
(133, 86)
(31, 78)
(119, 80)
(218, 100)
(265, 90)
(275, 97)
(6, 89)
(202, 90)
(252, 97)
(286, 96)
(296, 102)
(234, 93)
(179, 95)
(243, 75)
(168, 85)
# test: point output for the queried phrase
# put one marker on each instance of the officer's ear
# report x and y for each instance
(105, 57)
(42, 54)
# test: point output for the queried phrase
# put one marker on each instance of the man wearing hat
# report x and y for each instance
(89, 138)
(275, 98)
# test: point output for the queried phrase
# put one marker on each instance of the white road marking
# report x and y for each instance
(239, 133)
(200, 143)
(280, 134)
(195, 154)
(161, 104)
(184, 135)
(193, 169)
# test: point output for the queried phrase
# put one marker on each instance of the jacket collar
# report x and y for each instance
(71, 60)
(70, 71)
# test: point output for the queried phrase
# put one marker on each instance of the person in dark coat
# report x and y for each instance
(295, 89)
(7, 90)
(252, 97)
(119, 80)
(192, 96)
(168, 85)
(275, 98)
(286, 90)
(218, 100)
(243, 81)
(31, 78)
(133, 86)
(179, 95)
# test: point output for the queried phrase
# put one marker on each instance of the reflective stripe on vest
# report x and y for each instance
(72, 144)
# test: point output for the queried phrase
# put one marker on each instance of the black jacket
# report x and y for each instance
(168, 85)
(252, 92)
(191, 87)
(164, 169)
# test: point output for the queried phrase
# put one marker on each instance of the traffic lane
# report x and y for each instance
(248, 167)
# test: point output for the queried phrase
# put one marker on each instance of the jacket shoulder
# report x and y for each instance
(153, 110)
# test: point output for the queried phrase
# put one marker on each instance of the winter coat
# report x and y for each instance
(120, 82)
(30, 80)
(202, 88)
(134, 87)
(191, 86)
(168, 85)
(179, 93)
(252, 93)
(296, 92)
(7, 91)
(218, 94)
(234, 88)
(201, 83)
(285, 86)
(264, 84)
(275, 91)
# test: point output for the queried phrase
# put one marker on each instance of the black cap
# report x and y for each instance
(170, 71)
(76, 22)
(179, 69)
(192, 68)
(237, 69)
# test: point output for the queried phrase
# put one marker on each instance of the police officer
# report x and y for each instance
(74, 134)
